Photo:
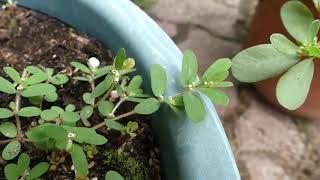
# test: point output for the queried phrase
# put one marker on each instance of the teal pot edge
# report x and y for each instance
(188, 151)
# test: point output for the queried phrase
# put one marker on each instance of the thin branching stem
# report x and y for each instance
(100, 125)
(6, 141)
(122, 100)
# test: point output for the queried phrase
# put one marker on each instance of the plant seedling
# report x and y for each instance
(293, 61)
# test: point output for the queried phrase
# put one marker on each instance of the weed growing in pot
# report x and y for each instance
(70, 130)
(294, 61)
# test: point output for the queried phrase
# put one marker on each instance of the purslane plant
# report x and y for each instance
(294, 61)
(71, 130)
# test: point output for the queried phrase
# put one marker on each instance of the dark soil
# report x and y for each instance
(28, 37)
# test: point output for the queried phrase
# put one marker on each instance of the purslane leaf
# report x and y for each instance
(113, 175)
(33, 70)
(218, 71)
(283, 44)
(36, 78)
(5, 113)
(86, 135)
(102, 87)
(261, 62)
(105, 107)
(41, 89)
(12, 73)
(135, 83)
(147, 106)
(86, 112)
(11, 150)
(81, 67)
(11, 172)
(49, 115)
(38, 170)
(119, 59)
(87, 98)
(216, 95)
(114, 125)
(59, 79)
(194, 107)
(293, 87)
(70, 117)
(29, 112)
(296, 18)
(8, 129)
(158, 80)
(79, 160)
(23, 163)
(189, 68)
(6, 86)
(313, 31)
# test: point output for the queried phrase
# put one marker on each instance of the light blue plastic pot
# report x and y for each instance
(188, 151)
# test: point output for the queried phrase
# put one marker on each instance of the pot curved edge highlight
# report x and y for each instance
(188, 151)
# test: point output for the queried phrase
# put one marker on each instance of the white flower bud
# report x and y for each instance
(71, 135)
(94, 62)
(114, 94)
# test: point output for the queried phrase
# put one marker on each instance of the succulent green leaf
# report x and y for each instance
(79, 78)
(216, 95)
(119, 59)
(225, 84)
(296, 18)
(113, 175)
(86, 112)
(51, 96)
(176, 101)
(194, 107)
(261, 62)
(293, 87)
(38, 90)
(103, 87)
(189, 68)
(29, 112)
(11, 172)
(70, 116)
(158, 80)
(147, 106)
(55, 132)
(128, 64)
(36, 100)
(6, 86)
(70, 107)
(12, 73)
(81, 67)
(135, 83)
(135, 99)
(79, 160)
(57, 109)
(283, 44)
(103, 71)
(33, 70)
(36, 78)
(49, 71)
(86, 135)
(114, 125)
(38, 170)
(11, 150)
(105, 107)
(5, 113)
(59, 79)
(218, 71)
(87, 98)
(8, 129)
(49, 115)
(23, 163)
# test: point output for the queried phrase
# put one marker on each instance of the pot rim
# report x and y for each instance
(188, 151)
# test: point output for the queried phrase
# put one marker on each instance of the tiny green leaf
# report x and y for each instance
(113, 175)
(103, 71)
(23, 163)
(29, 112)
(135, 83)
(38, 170)
(57, 109)
(49, 115)
(158, 80)
(313, 31)
(70, 107)
(216, 96)
(194, 107)
(283, 44)
(119, 59)
(225, 84)
(189, 68)
(8, 129)
(11, 151)
(38, 90)
(81, 67)
(59, 79)
(79, 160)
(12, 73)
(296, 18)
(105, 107)
(36, 78)
(261, 62)
(36, 100)
(293, 87)
(114, 125)
(6, 86)
(147, 106)
(70, 116)
(11, 172)
(5, 113)
(86, 135)
(86, 112)
(128, 64)
(51, 96)
(218, 71)
(103, 87)
(34, 70)
(87, 98)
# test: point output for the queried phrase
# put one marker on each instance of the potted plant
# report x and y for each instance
(286, 69)
(188, 150)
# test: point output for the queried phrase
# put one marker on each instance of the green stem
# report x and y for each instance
(122, 100)
(114, 119)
